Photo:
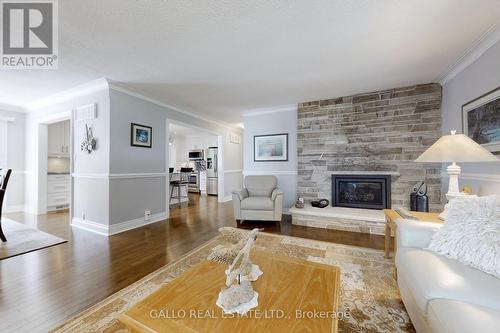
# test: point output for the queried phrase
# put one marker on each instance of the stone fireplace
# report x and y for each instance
(358, 152)
(377, 133)
(361, 191)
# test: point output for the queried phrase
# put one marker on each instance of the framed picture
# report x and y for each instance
(481, 120)
(270, 148)
(141, 136)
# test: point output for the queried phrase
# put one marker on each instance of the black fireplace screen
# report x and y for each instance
(372, 192)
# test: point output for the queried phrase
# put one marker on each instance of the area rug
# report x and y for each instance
(368, 289)
(23, 239)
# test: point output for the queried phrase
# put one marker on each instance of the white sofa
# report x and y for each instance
(441, 294)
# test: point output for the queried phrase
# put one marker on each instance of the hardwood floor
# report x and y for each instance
(42, 289)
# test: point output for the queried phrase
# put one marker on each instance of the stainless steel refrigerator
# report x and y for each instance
(212, 171)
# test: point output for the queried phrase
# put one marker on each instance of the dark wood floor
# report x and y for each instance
(41, 289)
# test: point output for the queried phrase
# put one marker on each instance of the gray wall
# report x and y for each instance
(233, 153)
(274, 123)
(131, 197)
(478, 78)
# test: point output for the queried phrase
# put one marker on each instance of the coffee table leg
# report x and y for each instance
(387, 240)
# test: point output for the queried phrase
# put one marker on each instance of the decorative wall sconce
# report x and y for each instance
(89, 142)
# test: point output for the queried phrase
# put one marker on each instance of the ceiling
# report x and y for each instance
(219, 58)
(179, 131)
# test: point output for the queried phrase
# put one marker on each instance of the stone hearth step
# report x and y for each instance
(340, 218)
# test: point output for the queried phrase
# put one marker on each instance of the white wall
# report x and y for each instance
(90, 184)
(184, 144)
(14, 145)
(477, 79)
(232, 165)
(274, 122)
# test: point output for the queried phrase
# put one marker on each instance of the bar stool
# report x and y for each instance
(179, 184)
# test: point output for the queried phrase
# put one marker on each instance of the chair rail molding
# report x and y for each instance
(119, 175)
(481, 176)
(234, 171)
(270, 172)
(495, 178)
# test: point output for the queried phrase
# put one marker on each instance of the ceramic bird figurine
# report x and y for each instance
(239, 291)
(233, 240)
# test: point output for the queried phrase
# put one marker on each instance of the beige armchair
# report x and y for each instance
(259, 200)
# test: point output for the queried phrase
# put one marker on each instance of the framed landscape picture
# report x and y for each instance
(481, 120)
(141, 135)
(270, 148)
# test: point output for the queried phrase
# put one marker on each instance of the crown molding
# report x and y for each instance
(273, 109)
(12, 108)
(8, 119)
(103, 83)
(471, 54)
(126, 90)
(66, 95)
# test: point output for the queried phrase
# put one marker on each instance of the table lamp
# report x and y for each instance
(452, 149)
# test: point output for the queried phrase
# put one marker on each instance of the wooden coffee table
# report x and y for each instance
(293, 293)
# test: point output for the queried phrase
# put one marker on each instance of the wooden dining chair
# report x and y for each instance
(3, 188)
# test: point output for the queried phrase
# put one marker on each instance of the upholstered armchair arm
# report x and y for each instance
(275, 194)
(414, 233)
(277, 197)
(240, 195)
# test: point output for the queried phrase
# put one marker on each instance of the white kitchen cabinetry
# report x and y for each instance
(203, 182)
(58, 191)
(58, 138)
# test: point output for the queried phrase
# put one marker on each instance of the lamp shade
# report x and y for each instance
(456, 148)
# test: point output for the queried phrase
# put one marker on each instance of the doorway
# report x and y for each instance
(54, 184)
(195, 154)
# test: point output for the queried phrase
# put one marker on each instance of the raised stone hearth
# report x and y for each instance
(340, 218)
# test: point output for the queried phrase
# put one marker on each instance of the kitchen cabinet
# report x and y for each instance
(58, 191)
(59, 138)
(203, 182)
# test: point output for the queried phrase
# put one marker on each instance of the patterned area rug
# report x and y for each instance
(23, 239)
(368, 289)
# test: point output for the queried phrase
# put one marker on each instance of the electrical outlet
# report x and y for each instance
(147, 215)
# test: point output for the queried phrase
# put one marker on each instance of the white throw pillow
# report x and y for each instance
(471, 233)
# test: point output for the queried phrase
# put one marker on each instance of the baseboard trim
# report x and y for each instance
(91, 226)
(135, 223)
(109, 230)
(227, 198)
(16, 208)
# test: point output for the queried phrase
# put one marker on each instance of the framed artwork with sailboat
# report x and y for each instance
(481, 120)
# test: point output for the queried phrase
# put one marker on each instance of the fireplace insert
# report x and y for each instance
(361, 191)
